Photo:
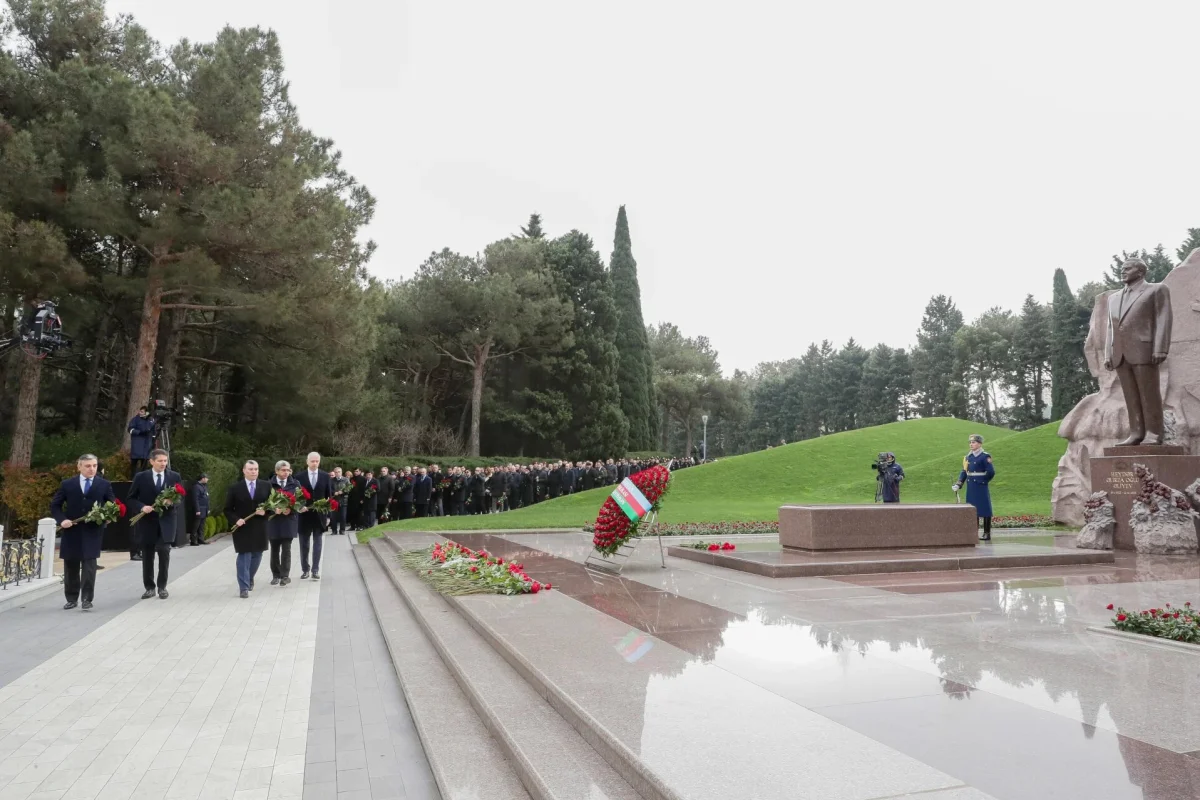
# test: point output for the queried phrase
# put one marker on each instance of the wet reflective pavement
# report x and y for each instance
(988, 676)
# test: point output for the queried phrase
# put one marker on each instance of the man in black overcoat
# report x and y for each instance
(80, 546)
(155, 532)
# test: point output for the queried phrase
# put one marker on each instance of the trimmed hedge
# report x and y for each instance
(221, 474)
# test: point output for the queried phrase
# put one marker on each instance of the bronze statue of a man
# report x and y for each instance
(1139, 337)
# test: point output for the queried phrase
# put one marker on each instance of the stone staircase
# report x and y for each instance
(492, 725)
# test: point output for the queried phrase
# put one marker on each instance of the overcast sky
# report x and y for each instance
(792, 170)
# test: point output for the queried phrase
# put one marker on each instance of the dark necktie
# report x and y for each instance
(158, 478)
(87, 485)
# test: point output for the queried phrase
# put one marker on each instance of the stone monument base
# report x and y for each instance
(878, 526)
(1113, 473)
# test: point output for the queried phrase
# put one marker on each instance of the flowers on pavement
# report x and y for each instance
(457, 570)
(1180, 624)
(712, 547)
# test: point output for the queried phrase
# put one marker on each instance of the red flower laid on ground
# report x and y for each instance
(1109, 606)
(1160, 623)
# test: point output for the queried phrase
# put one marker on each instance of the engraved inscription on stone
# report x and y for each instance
(1122, 480)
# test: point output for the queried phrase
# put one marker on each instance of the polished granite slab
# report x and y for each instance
(775, 561)
(990, 663)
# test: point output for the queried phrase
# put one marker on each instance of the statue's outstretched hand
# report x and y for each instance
(1158, 358)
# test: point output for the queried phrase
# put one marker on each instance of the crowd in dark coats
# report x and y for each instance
(373, 497)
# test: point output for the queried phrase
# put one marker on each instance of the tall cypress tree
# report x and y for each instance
(588, 378)
(635, 375)
(1070, 379)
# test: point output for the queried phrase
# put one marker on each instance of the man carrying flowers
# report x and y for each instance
(154, 498)
(83, 506)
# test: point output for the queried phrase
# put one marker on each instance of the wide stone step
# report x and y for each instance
(462, 754)
(552, 759)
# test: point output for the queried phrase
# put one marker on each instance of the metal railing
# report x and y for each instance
(20, 560)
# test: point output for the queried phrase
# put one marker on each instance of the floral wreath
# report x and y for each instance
(612, 527)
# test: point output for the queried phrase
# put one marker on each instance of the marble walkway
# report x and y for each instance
(288, 694)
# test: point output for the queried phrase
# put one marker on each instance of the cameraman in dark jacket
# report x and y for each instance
(888, 474)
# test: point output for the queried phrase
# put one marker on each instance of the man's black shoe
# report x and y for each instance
(70, 605)
(87, 605)
(147, 594)
(162, 594)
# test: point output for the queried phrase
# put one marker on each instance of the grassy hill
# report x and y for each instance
(831, 469)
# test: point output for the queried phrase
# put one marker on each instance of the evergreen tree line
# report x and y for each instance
(205, 250)
(1015, 369)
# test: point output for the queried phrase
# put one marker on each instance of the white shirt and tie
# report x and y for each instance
(250, 488)
(312, 478)
(85, 484)
(158, 481)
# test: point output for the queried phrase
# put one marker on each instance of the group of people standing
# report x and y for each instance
(364, 500)
(371, 498)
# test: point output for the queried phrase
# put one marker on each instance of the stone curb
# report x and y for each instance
(1152, 641)
(12, 601)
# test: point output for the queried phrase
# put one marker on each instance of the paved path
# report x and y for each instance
(362, 743)
(204, 695)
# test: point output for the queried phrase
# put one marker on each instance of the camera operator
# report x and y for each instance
(888, 474)
(142, 429)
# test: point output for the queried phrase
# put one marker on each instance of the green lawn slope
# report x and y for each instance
(831, 469)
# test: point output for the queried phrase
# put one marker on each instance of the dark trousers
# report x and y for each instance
(369, 520)
(197, 532)
(422, 509)
(317, 543)
(406, 509)
(281, 558)
(137, 465)
(337, 520)
(163, 549)
(79, 579)
(987, 526)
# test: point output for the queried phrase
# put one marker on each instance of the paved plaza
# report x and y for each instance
(691, 682)
(288, 694)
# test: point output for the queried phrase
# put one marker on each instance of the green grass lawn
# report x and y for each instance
(831, 469)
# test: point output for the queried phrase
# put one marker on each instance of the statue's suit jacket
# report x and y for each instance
(1140, 329)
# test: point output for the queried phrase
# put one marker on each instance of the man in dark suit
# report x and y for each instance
(155, 531)
(422, 492)
(387, 487)
(357, 482)
(370, 500)
(312, 524)
(249, 523)
(80, 545)
(555, 481)
(200, 503)
(477, 490)
(1139, 338)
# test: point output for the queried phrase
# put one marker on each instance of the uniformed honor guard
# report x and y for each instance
(977, 473)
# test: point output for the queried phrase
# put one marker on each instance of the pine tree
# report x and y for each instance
(1158, 265)
(1189, 244)
(534, 229)
(934, 371)
(1070, 379)
(634, 376)
(1031, 365)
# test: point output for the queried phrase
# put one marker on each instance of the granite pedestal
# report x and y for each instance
(1113, 473)
(874, 527)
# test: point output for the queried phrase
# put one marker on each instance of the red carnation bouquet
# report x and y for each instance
(325, 505)
(166, 498)
(101, 514)
(279, 501)
(304, 499)
(613, 527)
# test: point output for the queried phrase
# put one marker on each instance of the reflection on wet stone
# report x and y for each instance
(988, 675)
